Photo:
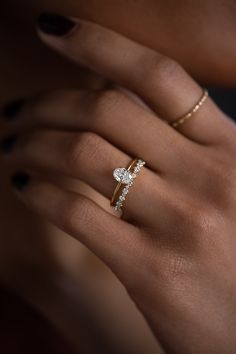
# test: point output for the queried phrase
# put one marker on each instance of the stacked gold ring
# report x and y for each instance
(186, 117)
(125, 178)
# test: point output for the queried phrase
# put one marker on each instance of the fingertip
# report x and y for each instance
(56, 25)
(7, 144)
(20, 180)
(12, 109)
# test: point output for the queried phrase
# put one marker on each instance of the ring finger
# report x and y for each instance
(112, 115)
(88, 157)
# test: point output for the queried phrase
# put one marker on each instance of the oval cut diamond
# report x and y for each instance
(122, 175)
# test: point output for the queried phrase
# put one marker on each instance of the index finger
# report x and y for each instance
(159, 80)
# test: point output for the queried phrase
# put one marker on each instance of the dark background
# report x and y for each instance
(226, 99)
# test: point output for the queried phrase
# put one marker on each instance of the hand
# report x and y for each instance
(174, 250)
(198, 34)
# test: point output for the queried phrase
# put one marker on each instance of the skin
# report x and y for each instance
(181, 278)
(198, 34)
(30, 246)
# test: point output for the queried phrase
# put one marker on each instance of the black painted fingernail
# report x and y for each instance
(55, 25)
(20, 180)
(12, 109)
(7, 144)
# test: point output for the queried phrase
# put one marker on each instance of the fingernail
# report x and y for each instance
(20, 180)
(55, 25)
(12, 109)
(7, 144)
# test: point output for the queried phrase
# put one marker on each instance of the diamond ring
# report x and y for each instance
(125, 178)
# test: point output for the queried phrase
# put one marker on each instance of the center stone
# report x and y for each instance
(122, 175)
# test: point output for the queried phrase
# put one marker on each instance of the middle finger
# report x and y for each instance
(114, 116)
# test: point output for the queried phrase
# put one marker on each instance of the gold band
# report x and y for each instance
(189, 115)
(119, 186)
(122, 189)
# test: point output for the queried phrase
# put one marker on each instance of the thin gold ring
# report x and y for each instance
(190, 114)
(125, 178)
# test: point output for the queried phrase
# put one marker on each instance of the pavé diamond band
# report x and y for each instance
(125, 178)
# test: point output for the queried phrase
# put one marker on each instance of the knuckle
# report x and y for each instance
(195, 221)
(162, 69)
(83, 149)
(106, 103)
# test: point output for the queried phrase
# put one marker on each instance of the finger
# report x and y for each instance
(160, 81)
(112, 115)
(113, 240)
(85, 156)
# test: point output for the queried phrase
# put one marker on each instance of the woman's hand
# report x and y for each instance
(198, 34)
(174, 250)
